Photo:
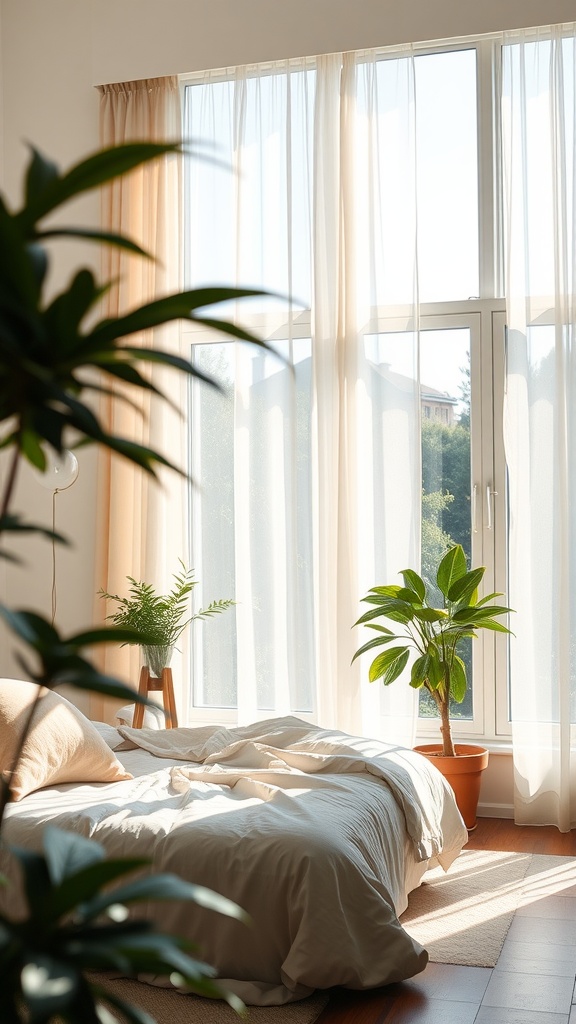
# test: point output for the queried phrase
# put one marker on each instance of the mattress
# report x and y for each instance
(317, 834)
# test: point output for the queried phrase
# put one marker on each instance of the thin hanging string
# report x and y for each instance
(54, 493)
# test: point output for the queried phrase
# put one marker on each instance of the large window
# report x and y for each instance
(428, 347)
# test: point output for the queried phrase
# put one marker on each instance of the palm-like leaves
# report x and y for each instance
(78, 922)
(435, 634)
(45, 347)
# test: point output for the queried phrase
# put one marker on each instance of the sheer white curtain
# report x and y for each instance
(539, 116)
(140, 532)
(322, 496)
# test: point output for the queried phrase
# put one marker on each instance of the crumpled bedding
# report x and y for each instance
(317, 834)
(281, 751)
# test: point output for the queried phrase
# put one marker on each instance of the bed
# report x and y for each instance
(318, 834)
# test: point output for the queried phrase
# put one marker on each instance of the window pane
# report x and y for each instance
(212, 463)
(540, 160)
(446, 468)
(416, 150)
(252, 525)
(446, 452)
(248, 205)
(447, 175)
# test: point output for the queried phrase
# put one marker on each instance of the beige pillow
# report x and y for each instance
(62, 745)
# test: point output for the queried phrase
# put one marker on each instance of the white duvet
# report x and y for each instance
(318, 835)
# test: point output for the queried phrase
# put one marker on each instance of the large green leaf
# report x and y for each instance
(47, 191)
(60, 662)
(17, 272)
(40, 175)
(234, 330)
(489, 597)
(389, 665)
(35, 876)
(80, 889)
(11, 523)
(420, 670)
(48, 986)
(165, 887)
(458, 682)
(32, 449)
(29, 626)
(430, 614)
(497, 627)
(451, 568)
(65, 314)
(475, 615)
(397, 611)
(108, 635)
(463, 588)
(179, 306)
(390, 591)
(435, 668)
(378, 641)
(67, 853)
(156, 953)
(87, 678)
(104, 237)
(414, 582)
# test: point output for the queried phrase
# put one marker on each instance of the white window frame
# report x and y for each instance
(485, 316)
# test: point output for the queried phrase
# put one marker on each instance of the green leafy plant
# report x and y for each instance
(160, 616)
(435, 634)
(78, 923)
(56, 357)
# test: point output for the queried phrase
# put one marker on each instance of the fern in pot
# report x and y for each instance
(160, 616)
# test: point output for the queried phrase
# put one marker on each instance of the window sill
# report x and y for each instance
(495, 746)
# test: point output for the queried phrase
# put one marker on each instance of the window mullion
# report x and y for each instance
(488, 205)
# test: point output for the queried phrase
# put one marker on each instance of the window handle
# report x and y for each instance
(490, 494)
(474, 507)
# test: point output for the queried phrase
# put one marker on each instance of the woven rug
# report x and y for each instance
(169, 1007)
(462, 916)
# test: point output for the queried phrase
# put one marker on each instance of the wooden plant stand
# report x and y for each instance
(150, 683)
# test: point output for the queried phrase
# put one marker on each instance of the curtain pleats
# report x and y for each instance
(140, 532)
(330, 504)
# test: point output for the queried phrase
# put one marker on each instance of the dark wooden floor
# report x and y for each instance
(447, 994)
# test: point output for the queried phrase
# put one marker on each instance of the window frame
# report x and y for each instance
(486, 312)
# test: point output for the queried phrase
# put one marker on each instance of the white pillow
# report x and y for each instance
(109, 734)
(62, 745)
(154, 718)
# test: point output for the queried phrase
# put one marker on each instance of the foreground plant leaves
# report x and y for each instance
(45, 347)
(78, 923)
(46, 395)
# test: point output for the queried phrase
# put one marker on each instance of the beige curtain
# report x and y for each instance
(136, 535)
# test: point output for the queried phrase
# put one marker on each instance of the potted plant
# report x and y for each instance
(437, 636)
(160, 616)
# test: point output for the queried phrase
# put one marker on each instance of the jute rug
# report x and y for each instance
(169, 1007)
(462, 916)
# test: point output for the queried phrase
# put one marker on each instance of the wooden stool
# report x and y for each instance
(149, 683)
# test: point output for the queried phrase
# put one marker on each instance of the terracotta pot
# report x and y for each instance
(463, 772)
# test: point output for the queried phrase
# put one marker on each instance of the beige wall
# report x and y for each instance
(132, 39)
(52, 52)
(48, 100)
